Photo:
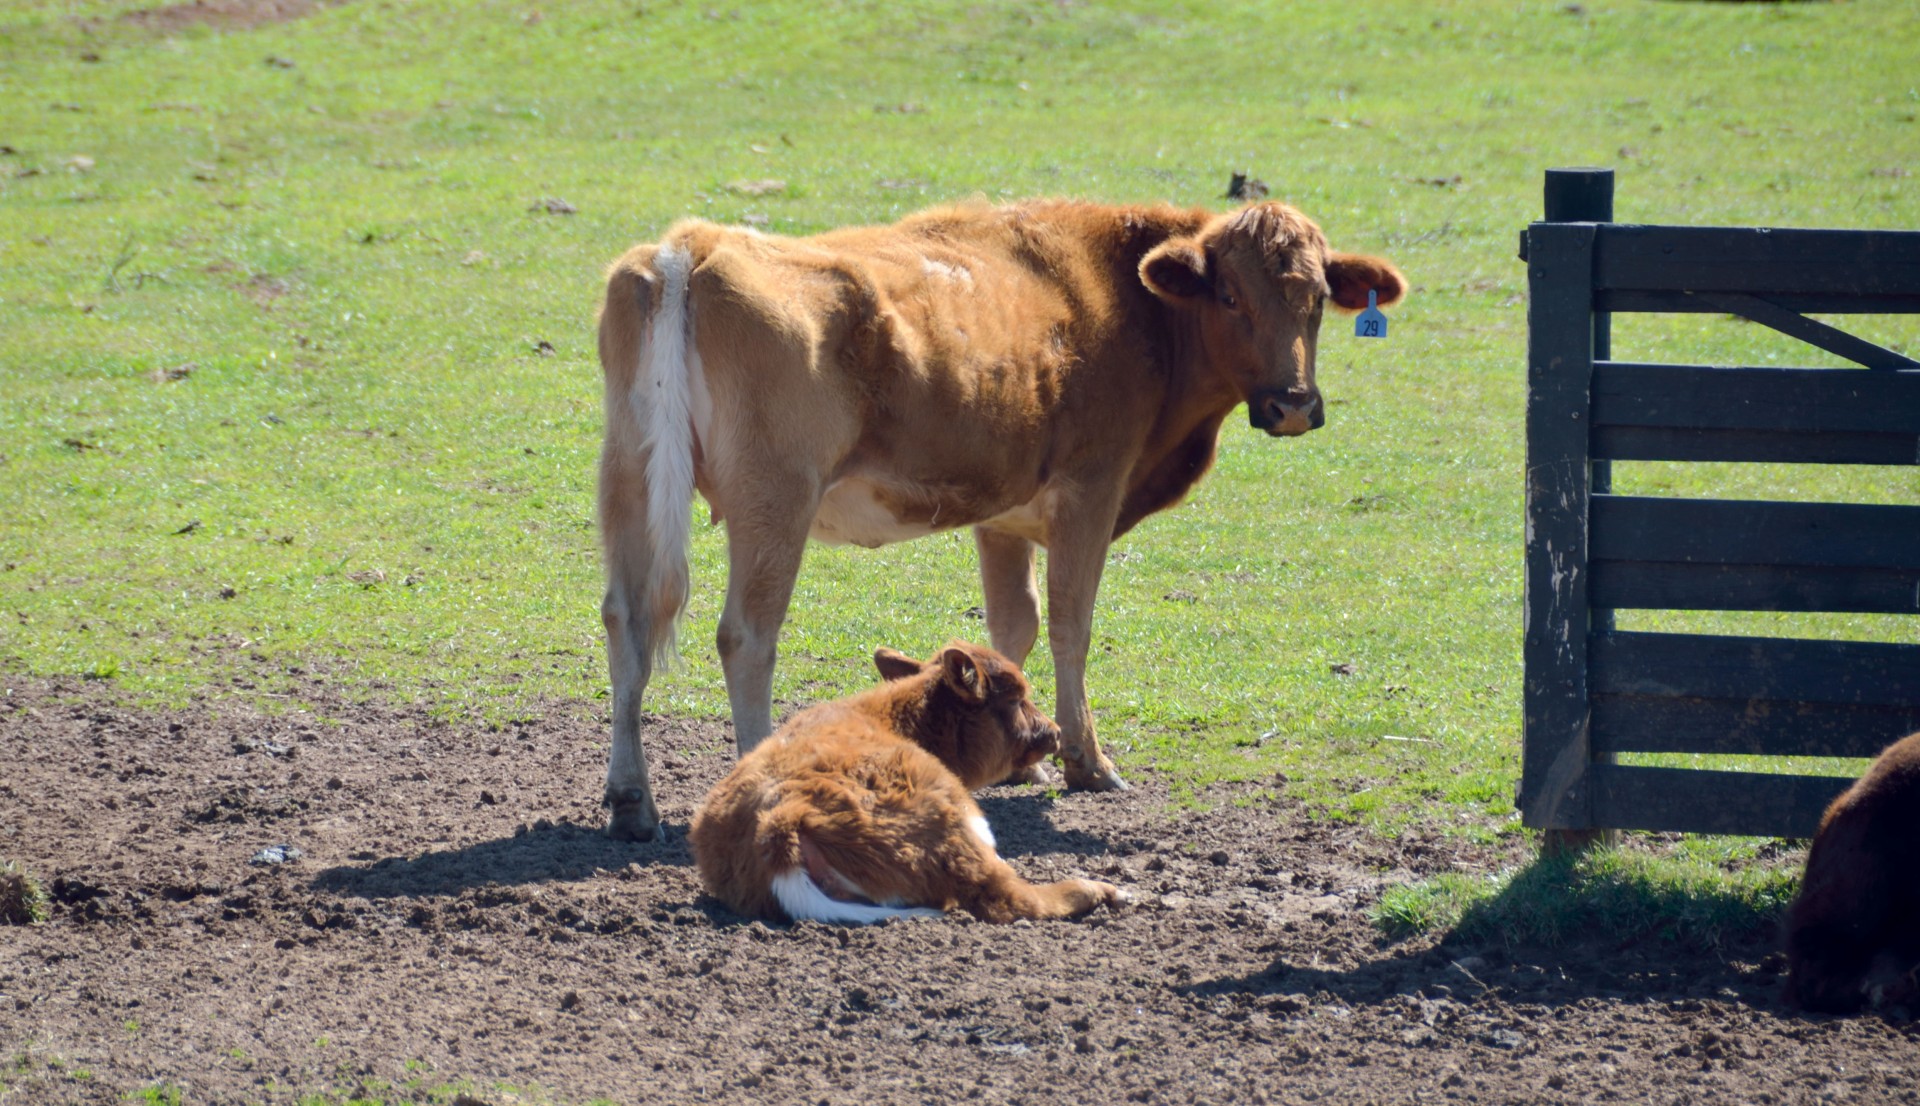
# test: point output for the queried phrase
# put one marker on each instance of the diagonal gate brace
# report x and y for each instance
(1811, 331)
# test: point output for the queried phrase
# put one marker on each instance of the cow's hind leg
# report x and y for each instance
(766, 540)
(630, 632)
(1013, 596)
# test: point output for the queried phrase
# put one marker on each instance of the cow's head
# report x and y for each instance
(972, 708)
(1255, 282)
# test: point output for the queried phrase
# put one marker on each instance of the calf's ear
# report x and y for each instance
(1176, 270)
(895, 665)
(1353, 275)
(963, 674)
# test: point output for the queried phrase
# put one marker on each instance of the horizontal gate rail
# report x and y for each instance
(1678, 302)
(1696, 800)
(1694, 413)
(1729, 555)
(1692, 693)
(1762, 261)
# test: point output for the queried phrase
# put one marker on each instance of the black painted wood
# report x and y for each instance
(1706, 587)
(1650, 443)
(1759, 260)
(1746, 532)
(1786, 401)
(1745, 727)
(1682, 800)
(1592, 693)
(1555, 752)
(1829, 303)
(1811, 331)
(1854, 673)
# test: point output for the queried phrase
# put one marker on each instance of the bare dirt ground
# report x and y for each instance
(454, 920)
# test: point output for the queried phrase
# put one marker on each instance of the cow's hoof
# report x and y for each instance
(1103, 778)
(1035, 774)
(634, 821)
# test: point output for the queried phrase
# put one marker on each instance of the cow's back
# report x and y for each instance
(934, 372)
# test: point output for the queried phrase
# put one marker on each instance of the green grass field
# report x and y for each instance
(297, 373)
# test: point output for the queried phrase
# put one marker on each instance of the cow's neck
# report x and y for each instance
(1180, 448)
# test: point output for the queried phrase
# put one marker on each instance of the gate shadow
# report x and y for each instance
(1612, 940)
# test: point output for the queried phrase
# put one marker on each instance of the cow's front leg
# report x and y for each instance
(1013, 609)
(764, 549)
(1076, 554)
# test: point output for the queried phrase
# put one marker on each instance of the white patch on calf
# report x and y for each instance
(978, 824)
(802, 899)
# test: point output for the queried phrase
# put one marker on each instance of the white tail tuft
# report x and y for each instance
(802, 899)
(662, 406)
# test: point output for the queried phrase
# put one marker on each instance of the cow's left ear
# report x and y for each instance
(1176, 270)
(963, 674)
(895, 665)
(1353, 275)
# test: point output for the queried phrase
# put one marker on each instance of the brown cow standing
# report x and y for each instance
(1853, 934)
(1047, 373)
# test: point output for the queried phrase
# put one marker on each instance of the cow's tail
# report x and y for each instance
(659, 405)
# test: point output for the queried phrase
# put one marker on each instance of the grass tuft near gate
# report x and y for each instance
(1687, 895)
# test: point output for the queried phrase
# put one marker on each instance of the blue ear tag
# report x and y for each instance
(1370, 323)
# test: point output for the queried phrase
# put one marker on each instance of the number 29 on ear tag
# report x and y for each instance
(1370, 323)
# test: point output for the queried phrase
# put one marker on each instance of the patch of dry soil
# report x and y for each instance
(224, 15)
(454, 915)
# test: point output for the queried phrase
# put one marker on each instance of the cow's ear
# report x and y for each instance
(1176, 270)
(963, 674)
(1353, 275)
(895, 665)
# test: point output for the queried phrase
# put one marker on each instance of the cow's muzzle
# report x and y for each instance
(1286, 412)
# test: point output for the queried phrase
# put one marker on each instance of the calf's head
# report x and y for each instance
(970, 707)
(1254, 283)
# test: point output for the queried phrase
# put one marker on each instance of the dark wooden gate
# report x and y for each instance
(1591, 691)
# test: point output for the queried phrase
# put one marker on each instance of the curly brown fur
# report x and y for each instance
(869, 800)
(1853, 934)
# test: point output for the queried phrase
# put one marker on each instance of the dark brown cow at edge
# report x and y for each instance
(1853, 935)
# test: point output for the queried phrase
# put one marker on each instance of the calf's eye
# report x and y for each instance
(1227, 301)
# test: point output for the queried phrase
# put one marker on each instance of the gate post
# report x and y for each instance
(1565, 337)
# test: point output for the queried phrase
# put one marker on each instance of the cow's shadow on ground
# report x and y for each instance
(566, 852)
(543, 854)
(1023, 825)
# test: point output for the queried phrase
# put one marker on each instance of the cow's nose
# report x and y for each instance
(1292, 411)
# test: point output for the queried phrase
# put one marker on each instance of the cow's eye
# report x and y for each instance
(1227, 301)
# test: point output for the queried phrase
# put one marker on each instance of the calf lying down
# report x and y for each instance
(861, 809)
(1853, 935)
